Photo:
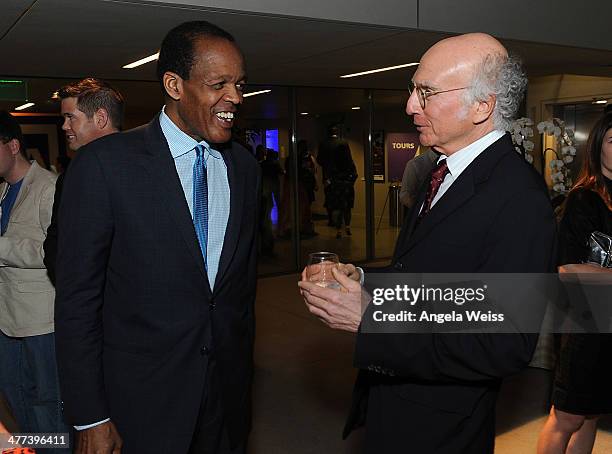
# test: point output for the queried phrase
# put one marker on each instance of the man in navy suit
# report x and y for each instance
(156, 267)
(482, 210)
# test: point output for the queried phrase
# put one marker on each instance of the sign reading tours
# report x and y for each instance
(401, 148)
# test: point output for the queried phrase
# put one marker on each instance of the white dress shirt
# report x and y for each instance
(460, 160)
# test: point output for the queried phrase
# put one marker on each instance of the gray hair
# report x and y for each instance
(503, 77)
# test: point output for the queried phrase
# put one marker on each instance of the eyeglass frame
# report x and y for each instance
(422, 95)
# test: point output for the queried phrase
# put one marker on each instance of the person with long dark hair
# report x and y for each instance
(582, 389)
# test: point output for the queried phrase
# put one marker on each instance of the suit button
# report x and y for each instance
(212, 304)
(204, 351)
(398, 266)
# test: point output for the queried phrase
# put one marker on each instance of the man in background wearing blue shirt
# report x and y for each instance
(28, 373)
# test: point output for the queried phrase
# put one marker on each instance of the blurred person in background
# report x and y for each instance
(416, 173)
(28, 369)
(341, 193)
(91, 109)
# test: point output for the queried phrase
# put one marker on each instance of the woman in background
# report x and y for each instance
(582, 388)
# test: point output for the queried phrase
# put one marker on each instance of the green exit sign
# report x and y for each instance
(13, 90)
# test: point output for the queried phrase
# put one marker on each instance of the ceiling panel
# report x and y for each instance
(398, 13)
(65, 39)
(98, 37)
(73, 38)
(11, 10)
(575, 23)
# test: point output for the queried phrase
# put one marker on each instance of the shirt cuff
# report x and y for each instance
(361, 275)
(89, 426)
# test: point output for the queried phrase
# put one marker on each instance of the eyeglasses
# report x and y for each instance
(423, 94)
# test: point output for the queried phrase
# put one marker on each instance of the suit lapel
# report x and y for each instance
(232, 232)
(457, 195)
(164, 169)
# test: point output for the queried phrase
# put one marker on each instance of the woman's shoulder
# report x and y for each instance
(584, 202)
(583, 196)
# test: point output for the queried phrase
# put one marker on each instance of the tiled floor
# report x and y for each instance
(304, 379)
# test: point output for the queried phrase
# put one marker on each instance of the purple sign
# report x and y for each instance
(401, 148)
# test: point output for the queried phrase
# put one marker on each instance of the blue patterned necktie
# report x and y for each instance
(200, 199)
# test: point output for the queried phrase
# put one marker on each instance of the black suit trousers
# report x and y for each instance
(210, 435)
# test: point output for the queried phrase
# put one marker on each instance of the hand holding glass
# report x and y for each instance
(319, 269)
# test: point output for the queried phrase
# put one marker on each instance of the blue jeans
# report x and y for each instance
(28, 380)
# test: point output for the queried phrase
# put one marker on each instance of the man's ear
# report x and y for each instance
(14, 146)
(101, 119)
(173, 85)
(484, 109)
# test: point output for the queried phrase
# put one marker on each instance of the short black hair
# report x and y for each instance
(10, 129)
(177, 49)
(93, 94)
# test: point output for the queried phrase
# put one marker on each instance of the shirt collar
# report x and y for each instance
(179, 142)
(460, 160)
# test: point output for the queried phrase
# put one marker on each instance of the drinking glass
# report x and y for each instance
(319, 269)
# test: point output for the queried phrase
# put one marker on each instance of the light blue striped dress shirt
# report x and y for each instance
(182, 148)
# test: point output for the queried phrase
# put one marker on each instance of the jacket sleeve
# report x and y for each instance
(50, 244)
(522, 243)
(27, 252)
(86, 226)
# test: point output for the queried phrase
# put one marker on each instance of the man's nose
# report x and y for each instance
(412, 105)
(234, 95)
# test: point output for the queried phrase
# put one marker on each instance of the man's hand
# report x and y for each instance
(101, 439)
(338, 309)
(350, 271)
(574, 268)
(585, 273)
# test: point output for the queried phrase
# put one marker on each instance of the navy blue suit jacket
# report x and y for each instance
(136, 321)
(495, 218)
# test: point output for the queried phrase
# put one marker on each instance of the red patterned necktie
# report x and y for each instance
(437, 177)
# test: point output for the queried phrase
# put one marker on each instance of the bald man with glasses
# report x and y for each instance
(482, 210)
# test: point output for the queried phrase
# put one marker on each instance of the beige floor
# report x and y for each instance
(304, 378)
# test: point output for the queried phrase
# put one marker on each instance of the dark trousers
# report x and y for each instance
(339, 215)
(210, 436)
(28, 380)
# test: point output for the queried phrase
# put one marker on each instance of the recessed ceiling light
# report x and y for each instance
(355, 108)
(303, 113)
(253, 93)
(372, 71)
(24, 106)
(142, 61)
(55, 95)
(600, 101)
